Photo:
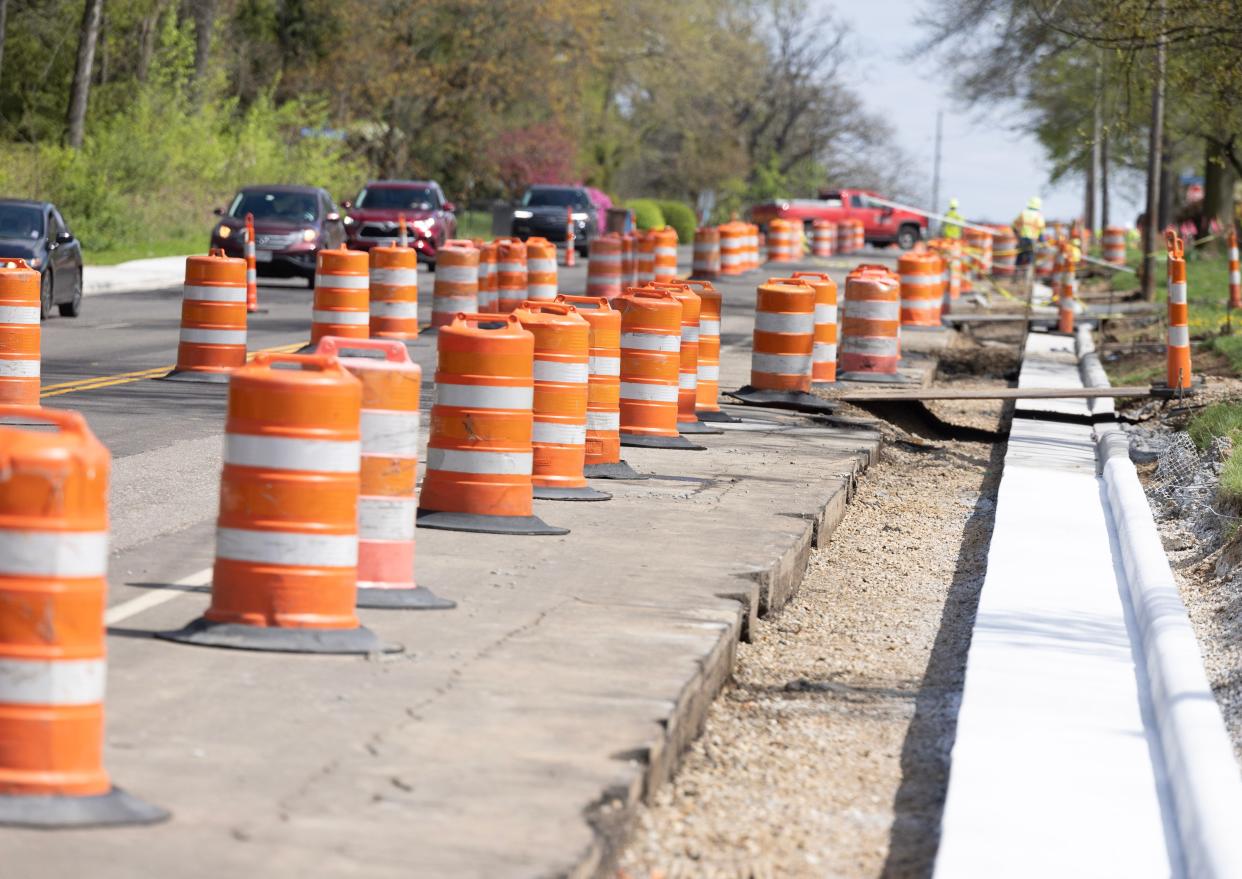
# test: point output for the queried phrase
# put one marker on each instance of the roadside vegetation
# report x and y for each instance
(137, 117)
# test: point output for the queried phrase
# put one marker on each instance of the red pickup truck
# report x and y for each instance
(881, 224)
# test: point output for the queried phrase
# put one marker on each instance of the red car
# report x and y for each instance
(882, 224)
(373, 215)
(291, 225)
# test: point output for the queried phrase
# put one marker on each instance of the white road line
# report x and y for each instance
(154, 598)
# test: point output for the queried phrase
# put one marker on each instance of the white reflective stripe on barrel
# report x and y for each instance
(553, 371)
(873, 309)
(484, 396)
(689, 333)
(291, 453)
(541, 292)
(467, 461)
(932, 304)
(394, 277)
(386, 518)
(920, 280)
(1235, 277)
(343, 282)
(457, 274)
(27, 553)
(825, 314)
(1179, 336)
(287, 548)
(1177, 293)
(666, 251)
(597, 365)
(19, 368)
(709, 372)
(200, 336)
(878, 345)
(200, 293)
(824, 352)
(511, 267)
(453, 304)
(650, 342)
(784, 322)
(389, 433)
(400, 308)
(603, 421)
(560, 434)
(539, 265)
(605, 258)
(688, 381)
(52, 682)
(29, 314)
(348, 318)
(781, 364)
(252, 276)
(709, 327)
(649, 393)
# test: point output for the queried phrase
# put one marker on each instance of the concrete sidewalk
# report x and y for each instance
(137, 275)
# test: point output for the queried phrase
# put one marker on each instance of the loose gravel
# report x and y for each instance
(827, 755)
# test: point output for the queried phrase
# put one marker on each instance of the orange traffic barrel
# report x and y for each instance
(479, 454)
(1068, 293)
(19, 332)
(342, 295)
(629, 260)
(783, 348)
(286, 565)
(845, 237)
(871, 325)
(783, 240)
(922, 288)
(1045, 259)
(388, 474)
(603, 417)
(252, 267)
(1004, 253)
(53, 589)
(688, 375)
(489, 277)
(394, 292)
(823, 238)
(706, 261)
(213, 318)
(707, 394)
(824, 349)
(752, 246)
(1179, 315)
(457, 281)
(604, 266)
(541, 270)
(1114, 244)
(511, 275)
(732, 248)
(646, 257)
(562, 378)
(650, 369)
(979, 250)
(665, 254)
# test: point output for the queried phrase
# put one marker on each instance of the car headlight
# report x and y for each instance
(349, 221)
(34, 262)
(224, 231)
(424, 226)
(522, 215)
(580, 217)
(309, 234)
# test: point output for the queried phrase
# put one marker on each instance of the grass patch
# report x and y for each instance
(1219, 419)
(174, 246)
(1230, 488)
(1142, 375)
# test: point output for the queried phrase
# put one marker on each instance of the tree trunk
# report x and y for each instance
(79, 94)
(1166, 213)
(1217, 186)
(1154, 142)
(1093, 160)
(148, 36)
(4, 18)
(1105, 217)
(204, 25)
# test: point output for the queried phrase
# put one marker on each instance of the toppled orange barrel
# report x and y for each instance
(541, 277)
(665, 255)
(489, 277)
(783, 348)
(388, 477)
(394, 292)
(871, 325)
(1179, 315)
(646, 257)
(706, 261)
(603, 441)
(213, 318)
(286, 566)
(342, 295)
(20, 333)
(561, 374)
(650, 368)
(53, 589)
(511, 274)
(604, 266)
(922, 288)
(824, 349)
(479, 454)
(688, 376)
(457, 281)
(823, 238)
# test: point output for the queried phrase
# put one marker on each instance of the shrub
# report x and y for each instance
(1220, 419)
(647, 213)
(681, 218)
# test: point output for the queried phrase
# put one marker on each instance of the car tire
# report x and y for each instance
(907, 237)
(45, 295)
(73, 307)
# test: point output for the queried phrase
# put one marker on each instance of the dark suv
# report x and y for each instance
(546, 211)
(429, 218)
(36, 232)
(291, 225)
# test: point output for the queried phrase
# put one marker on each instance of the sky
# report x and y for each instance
(988, 166)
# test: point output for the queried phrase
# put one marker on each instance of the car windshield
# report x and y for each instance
(553, 198)
(296, 207)
(397, 198)
(21, 221)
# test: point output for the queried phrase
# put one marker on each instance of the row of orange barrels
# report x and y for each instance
(786, 238)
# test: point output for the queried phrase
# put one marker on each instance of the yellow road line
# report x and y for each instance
(123, 378)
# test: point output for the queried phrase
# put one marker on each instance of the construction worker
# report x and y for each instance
(952, 225)
(1029, 227)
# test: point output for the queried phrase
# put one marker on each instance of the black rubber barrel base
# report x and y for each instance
(799, 401)
(102, 810)
(884, 378)
(549, 493)
(718, 416)
(236, 636)
(693, 427)
(642, 441)
(418, 598)
(479, 524)
(826, 386)
(192, 375)
(618, 470)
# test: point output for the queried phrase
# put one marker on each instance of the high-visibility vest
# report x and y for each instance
(1030, 224)
(952, 227)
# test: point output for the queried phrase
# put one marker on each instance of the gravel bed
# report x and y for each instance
(827, 755)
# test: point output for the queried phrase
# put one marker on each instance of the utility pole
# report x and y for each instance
(1155, 144)
(935, 205)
